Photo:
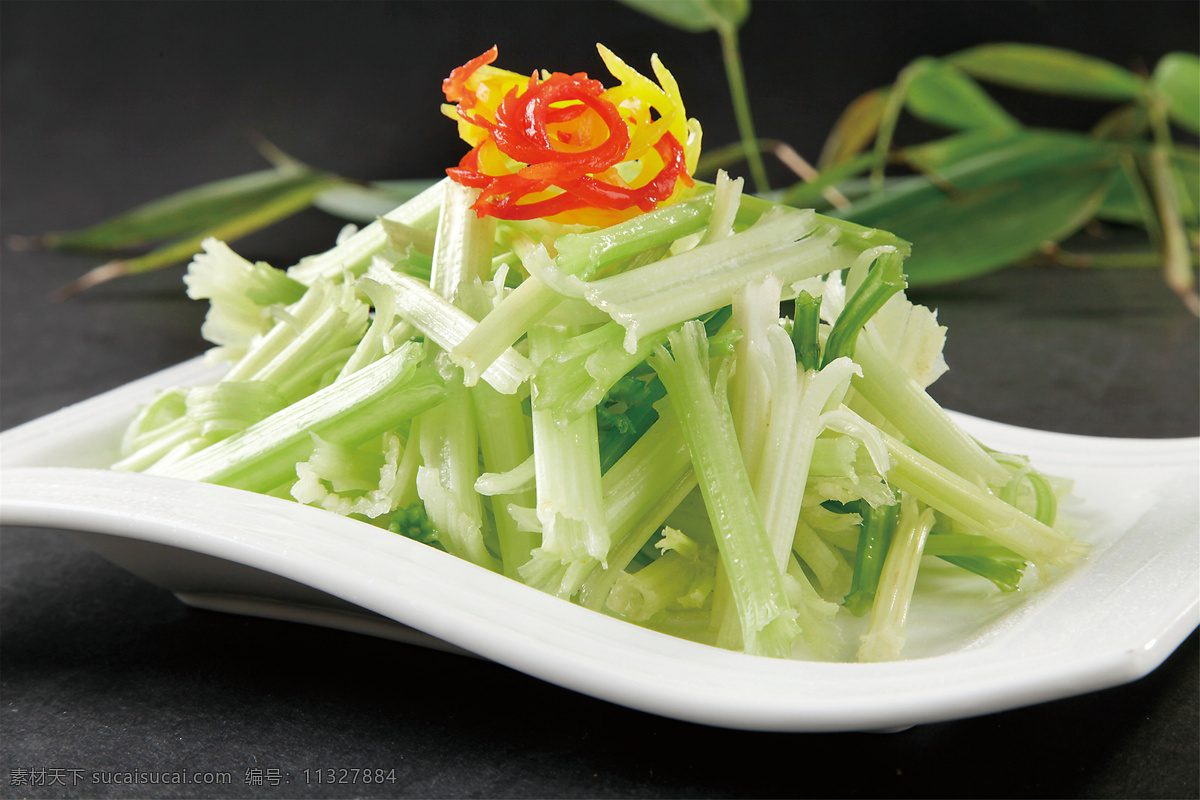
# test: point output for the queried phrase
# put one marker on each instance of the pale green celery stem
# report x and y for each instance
(296, 317)
(448, 325)
(833, 456)
(346, 468)
(595, 589)
(978, 509)
(889, 612)
(641, 595)
(567, 470)
(373, 400)
(446, 479)
(791, 245)
(166, 438)
(794, 432)
(164, 408)
(353, 255)
(502, 327)
(404, 492)
(584, 253)
(512, 481)
(726, 200)
(917, 416)
(755, 581)
(505, 446)
(820, 556)
(374, 342)
(324, 343)
(582, 378)
(640, 491)
(752, 398)
(463, 248)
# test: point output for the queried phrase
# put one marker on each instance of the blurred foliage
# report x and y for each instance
(987, 193)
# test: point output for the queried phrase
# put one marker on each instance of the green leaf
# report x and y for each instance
(943, 94)
(695, 16)
(190, 212)
(1177, 79)
(274, 209)
(1127, 123)
(1050, 70)
(1128, 200)
(855, 128)
(995, 207)
(941, 154)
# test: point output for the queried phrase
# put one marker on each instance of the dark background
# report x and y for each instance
(107, 105)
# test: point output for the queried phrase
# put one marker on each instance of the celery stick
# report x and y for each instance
(885, 634)
(755, 580)
(980, 510)
(446, 479)
(832, 570)
(496, 332)
(805, 329)
(682, 575)
(227, 407)
(905, 404)
(585, 253)
(631, 539)
(385, 331)
(350, 480)
(239, 292)
(727, 198)
(874, 538)
(575, 534)
(447, 325)
(790, 244)
(884, 280)
(639, 491)
(354, 255)
(753, 397)
(463, 247)
(504, 443)
(814, 613)
(375, 399)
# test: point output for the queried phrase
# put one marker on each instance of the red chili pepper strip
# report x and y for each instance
(550, 147)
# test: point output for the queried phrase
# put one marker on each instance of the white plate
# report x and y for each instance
(970, 651)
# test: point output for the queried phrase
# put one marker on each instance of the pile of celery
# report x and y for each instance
(617, 416)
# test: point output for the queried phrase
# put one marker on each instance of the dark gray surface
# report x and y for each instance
(108, 105)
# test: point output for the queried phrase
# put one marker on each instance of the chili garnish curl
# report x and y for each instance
(565, 148)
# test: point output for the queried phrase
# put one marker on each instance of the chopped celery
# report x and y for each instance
(617, 416)
(447, 325)
(766, 618)
(354, 254)
(374, 400)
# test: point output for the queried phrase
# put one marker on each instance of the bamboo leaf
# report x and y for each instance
(995, 206)
(695, 16)
(1127, 123)
(1014, 157)
(186, 213)
(855, 128)
(277, 208)
(941, 154)
(1049, 70)
(1177, 79)
(1129, 202)
(997, 225)
(943, 94)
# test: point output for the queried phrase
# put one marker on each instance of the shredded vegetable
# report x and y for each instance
(567, 363)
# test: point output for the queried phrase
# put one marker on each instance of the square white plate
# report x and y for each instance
(970, 650)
